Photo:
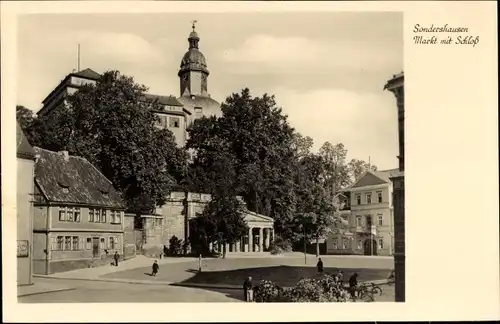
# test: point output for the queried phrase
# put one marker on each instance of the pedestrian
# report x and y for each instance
(340, 276)
(320, 265)
(156, 267)
(116, 257)
(248, 289)
(353, 283)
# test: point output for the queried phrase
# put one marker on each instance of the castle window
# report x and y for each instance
(379, 197)
(358, 199)
(174, 122)
(67, 243)
(369, 198)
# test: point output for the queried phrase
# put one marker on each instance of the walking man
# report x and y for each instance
(116, 257)
(320, 265)
(156, 267)
(248, 289)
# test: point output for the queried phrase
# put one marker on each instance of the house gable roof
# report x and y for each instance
(369, 178)
(87, 74)
(73, 180)
(24, 149)
(254, 217)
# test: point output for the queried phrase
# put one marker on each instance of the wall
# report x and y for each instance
(65, 260)
(195, 80)
(25, 212)
(179, 132)
(129, 246)
(173, 220)
(84, 222)
(40, 253)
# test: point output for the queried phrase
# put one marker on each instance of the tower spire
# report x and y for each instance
(193, 36)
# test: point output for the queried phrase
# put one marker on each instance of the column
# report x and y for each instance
(268, 236)
(261, 239)
(250, 239)
(210, 246)
(238, 246)
(227, 247)
(272, 231)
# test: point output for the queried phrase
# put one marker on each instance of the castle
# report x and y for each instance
(178, 113)
(69, 235)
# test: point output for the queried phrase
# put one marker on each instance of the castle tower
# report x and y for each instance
(193, 73)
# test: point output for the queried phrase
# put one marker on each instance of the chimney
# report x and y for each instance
(65, 155)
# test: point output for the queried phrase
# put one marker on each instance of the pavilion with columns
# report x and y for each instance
(259, 237)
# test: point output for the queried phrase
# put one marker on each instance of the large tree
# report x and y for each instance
(314, 208)
(302, 144)
(336, 172)
(254, 142)
(222, 221)
(24, 116)
(358, 167)
(112, 126)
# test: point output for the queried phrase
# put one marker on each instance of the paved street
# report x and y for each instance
(286, 271)
(106, 292)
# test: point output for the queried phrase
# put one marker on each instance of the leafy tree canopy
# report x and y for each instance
(113, 126)
(222, 220)
(248, 151)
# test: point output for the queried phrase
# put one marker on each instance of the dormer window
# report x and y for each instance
(198, 110)
(64, 185)
(104, 192)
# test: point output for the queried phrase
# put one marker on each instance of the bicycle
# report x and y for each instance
(368, 291)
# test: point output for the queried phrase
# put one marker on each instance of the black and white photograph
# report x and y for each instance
(211, 159)
(229, 157)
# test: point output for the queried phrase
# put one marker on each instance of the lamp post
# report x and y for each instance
(305, 246)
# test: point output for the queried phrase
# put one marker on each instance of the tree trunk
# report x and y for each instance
(317, 245)
(223, 250)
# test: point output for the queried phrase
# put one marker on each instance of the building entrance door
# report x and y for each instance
(370, 247)
(95, 247)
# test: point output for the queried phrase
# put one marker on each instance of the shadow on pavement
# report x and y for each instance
(283, 275)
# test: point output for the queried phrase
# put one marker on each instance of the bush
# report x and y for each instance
(324, 289)
(267, 291)
(175, 246)
(280, 246)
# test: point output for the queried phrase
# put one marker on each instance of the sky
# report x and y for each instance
(327, 70)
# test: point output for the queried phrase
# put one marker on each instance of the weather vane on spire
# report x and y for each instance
(194, 23)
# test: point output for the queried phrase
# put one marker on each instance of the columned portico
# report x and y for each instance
(260, 234)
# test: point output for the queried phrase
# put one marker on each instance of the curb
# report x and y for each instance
(175, 284)
(45, 292)
(112, 280)
(202, 285)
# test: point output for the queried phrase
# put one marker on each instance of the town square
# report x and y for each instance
(151, 175)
